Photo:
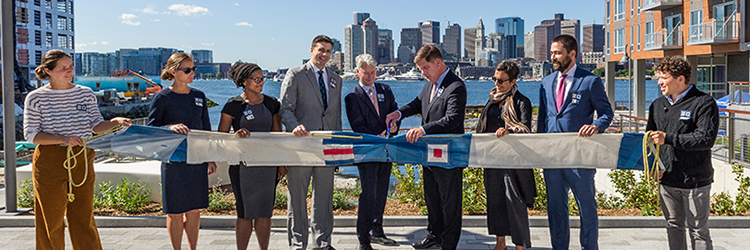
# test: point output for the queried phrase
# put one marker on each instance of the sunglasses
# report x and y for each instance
(500, 81)
(188, 70)
(256, 80)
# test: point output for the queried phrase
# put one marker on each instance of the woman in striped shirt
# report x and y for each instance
(62, 113)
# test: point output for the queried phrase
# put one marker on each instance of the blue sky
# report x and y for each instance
(277, 34)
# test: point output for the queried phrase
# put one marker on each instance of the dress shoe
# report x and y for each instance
(365, 246)
(428, 242)
(324, 248)
(385, 241)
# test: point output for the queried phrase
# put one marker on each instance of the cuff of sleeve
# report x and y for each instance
(423, 131)
(399, 115)
(670, 138)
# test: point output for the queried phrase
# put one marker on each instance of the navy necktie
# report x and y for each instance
(322, 85)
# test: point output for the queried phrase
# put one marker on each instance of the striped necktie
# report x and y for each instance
(322, 85)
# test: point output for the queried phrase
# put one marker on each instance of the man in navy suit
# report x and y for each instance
(442, 104)
(567, 100)
(366, 107)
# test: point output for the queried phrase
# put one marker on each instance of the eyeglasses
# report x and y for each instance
(500, 81)
(188, 70)
(256, 80)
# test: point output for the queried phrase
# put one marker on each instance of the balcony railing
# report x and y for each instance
(664, 40)
(714, 32)
(659, 4)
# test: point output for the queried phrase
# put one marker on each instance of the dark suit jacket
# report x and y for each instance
(445, 115)
(586, 95)
(361, 113)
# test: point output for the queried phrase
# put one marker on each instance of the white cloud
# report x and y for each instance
(156, 20)
(130, 19)
(81, 45)
(273, 39)
(243, 24)
(207, 44)
(105, 43)
(236, 4)
(188, 24)
(94, 43)
(189, 10)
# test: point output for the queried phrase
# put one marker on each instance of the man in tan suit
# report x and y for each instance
(311, 101)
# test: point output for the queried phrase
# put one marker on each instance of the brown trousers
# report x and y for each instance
(51, 204)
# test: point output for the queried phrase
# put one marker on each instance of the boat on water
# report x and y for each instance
(385, 77)
(410, 76)
(278, 77)
(350, 76)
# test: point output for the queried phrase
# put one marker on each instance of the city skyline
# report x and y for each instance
(270, 36)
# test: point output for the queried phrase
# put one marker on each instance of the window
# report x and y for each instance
(632, 7)
(619, 41)
(98, 85)
(62, 41)
(608, 12)
(62, 6)
(72, 42)
(607, 45)
(48, 20)
(48, 40)
(38, 37)
(38, 57)
(70, 24)
(638, 37)
(619, 9)
(48, 4)
(37, 18)
(38, 2)
(62, 23)
(70, 7)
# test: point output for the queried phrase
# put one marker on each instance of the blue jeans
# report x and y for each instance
(581, 182)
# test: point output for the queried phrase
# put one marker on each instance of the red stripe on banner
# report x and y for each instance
(338, 151)
(437, 153)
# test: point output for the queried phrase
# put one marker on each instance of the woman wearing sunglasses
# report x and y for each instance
(254, 187)
(184, 186)
(509, 191)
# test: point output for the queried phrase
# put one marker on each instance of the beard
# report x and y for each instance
(561, 65)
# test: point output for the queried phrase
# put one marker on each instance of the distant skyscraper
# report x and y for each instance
(411, 41)
(336, 46)
(572, 28)
(202, 56)
(430, 32)
(513, 29)
(360, 17)
(470, 35)
(543, 35)
(452, 42)
(479, 41)
(95, 64)
(359, 38)
(593, 38)
(528, 44)
(385, 46)
(370, 34)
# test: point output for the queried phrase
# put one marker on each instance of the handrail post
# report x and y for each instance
(730, 136)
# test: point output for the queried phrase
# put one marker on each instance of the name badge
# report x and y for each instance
(248, 114)
(685, 114)
(332, 82)
(81, 107)
(576, 98)
(381, 98)
(439, 92)
(199, 102)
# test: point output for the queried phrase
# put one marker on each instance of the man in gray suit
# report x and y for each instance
(311, 101)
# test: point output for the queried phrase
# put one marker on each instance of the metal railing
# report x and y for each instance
(650, 4)
(662, 39)
(713, 32)
(732, 145)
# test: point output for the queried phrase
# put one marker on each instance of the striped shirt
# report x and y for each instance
(69, 112)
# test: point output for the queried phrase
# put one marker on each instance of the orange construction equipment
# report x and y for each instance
(119, 74)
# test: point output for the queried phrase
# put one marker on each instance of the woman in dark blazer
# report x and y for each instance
(509, 191)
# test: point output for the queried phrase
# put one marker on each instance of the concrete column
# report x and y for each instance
(609, 82)
(8, 94)
(639, 88)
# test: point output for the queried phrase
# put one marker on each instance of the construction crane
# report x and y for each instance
(123, 73)
(446, 21)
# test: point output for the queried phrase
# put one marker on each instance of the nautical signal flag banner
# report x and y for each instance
(559, 150)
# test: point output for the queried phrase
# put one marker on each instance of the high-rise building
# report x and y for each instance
(385, 46)
(361, 37)
(513, 30)
(430, 32)
(479, 41)
(572, 28)
(145, 64)
(41, 26)
(202, 56)
(411, 41)
(543, 35)
(95, 64)
(470, 34)
(452, 42)
(593, 38)
(528, 44)
(336, 46)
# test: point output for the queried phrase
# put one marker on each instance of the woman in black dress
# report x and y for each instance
(184, 186)
(254, 187)
(509, 191)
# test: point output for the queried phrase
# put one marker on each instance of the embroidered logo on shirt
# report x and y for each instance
(199, 102)
(381, 98)
(81, 107)
(685, 114)
(248, 114)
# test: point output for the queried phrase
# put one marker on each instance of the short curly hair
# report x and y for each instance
(675, 66)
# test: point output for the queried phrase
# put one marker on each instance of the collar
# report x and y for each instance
(570, 72)
(366, 88)
(442, 77)
(680, 96)
(315, 68)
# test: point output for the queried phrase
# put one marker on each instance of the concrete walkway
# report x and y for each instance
(345, 238)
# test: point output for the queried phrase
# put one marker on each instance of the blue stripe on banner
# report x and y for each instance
(631, 152)
(447, 152)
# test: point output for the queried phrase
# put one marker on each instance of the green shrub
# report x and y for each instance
(340, 200)
(408, 188)
(220, 199)
(637, 192)
(26, 193)
(722, 204)
(742, 201)
(127, 196)
(474, 196)
(540, 201)
(279, 201)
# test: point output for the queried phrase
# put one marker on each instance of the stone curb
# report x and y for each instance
(389, 221)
